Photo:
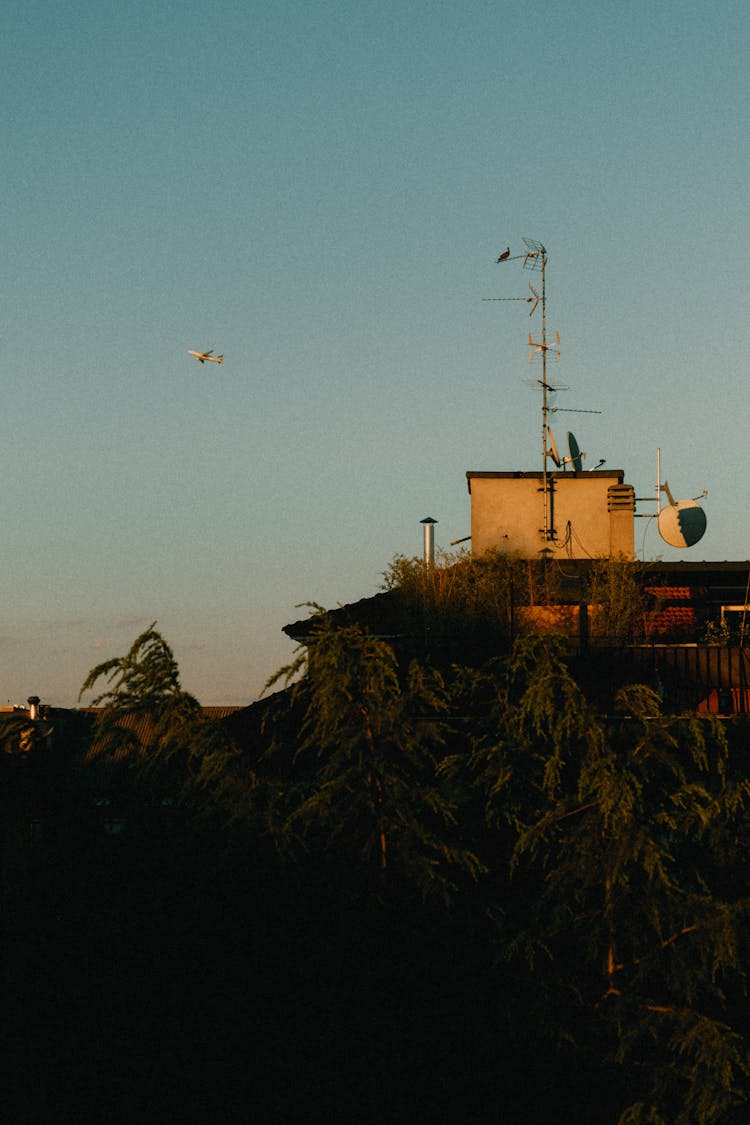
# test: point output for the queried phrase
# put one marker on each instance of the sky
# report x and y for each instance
(319, 189)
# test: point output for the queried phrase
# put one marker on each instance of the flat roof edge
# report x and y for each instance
(537, 474)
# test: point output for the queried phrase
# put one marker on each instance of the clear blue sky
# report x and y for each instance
(319, 190)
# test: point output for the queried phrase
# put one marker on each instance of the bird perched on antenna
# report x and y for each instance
(505, 255)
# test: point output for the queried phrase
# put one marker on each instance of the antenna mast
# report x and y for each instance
(535, 259)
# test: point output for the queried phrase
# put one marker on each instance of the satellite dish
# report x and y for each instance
(682, 524)
(576, 457)
(553, 450)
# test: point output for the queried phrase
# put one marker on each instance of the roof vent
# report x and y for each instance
(621, 498)
(429, 540)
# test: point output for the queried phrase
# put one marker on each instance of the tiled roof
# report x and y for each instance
(672, 621)
(670, 593)
(141, 726)
(382, 614)
(218, 713)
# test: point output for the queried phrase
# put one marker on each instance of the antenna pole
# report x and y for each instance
(549, 532)
(535, 258)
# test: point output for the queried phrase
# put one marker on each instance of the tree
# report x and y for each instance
(615, 593)
(146, 678)
(186, 752)
(626, 826)
(362, 777)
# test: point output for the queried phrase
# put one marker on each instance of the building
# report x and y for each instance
(568, 538)
(579, 514)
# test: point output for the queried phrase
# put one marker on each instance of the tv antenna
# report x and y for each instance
(533, 300)
(535, 347)
(552, 389)
(534, 258)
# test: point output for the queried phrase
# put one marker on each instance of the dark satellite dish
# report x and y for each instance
(576, 457)
(682, 524)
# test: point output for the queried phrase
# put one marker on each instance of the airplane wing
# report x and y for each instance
(208, 353)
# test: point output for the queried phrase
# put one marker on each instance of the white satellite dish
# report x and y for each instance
(553, 451)
(681, 524)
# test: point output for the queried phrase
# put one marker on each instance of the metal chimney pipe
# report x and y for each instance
(33, 702)
(429, 540)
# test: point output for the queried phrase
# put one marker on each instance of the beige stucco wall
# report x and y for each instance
(507, 513)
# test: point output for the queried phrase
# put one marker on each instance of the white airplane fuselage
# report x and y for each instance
(203, 356)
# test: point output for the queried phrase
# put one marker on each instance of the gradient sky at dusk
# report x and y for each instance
(319, 190)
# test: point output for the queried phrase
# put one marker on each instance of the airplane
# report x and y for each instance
(542, 348)
(203, 356)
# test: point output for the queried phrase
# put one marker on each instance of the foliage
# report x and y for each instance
(185, 751)
(619, 826)
(145, 678)
(363, 780)
(20, 735)
(716, 633)
(600, 840)
(623, 826)
(466, 608)
(472, 586)
(615, 591)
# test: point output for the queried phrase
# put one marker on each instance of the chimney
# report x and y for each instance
(33, 702)
(429, 540)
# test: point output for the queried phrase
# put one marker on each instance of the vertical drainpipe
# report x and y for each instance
(429, 540)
